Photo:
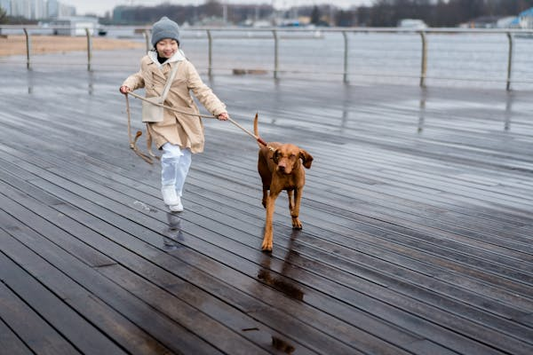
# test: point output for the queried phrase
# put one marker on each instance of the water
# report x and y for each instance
(478, 60)
(459, 60)
(141, 206)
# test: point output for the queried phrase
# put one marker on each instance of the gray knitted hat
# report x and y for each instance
(165, 28)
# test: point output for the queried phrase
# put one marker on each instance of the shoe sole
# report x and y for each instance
(175, 208)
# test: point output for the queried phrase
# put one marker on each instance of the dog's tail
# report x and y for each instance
(260, 142)
(256, 119)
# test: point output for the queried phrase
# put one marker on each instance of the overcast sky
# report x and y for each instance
(100, 7)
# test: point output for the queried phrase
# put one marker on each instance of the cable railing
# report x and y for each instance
(479, 56)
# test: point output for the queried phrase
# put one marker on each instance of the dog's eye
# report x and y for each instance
(292, 156)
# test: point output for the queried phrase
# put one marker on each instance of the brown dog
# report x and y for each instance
(281, 167)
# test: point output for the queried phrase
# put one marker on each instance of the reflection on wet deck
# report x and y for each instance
(270, 276)
(417, 224)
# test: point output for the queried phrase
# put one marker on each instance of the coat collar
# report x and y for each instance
(178, 56)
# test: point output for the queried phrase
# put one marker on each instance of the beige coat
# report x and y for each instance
(183, 130)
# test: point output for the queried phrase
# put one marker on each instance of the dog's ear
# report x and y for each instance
(307, 158)
(275, 156)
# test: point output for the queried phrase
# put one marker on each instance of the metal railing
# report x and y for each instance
(275, 35)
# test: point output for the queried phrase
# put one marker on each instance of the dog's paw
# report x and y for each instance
(296, 224)
(266, 247)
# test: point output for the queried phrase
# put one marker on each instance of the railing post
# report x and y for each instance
(147, 40)
(509, 61)
(276, 53)
(209, 54)
(424, 64)
(345, 76)
(28, 49)
(89, 49)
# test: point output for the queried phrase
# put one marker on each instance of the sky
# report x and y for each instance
(100, 7)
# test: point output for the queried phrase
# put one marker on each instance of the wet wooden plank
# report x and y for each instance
(111, 323)
(29, 326)
(168, 333)
(320, 341)
(233, 248)
(65, 320)
(416, 218)
(10, 341)
(374, 345)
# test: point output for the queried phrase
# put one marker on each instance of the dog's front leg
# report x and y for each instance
(295, 210)
(270, 206)
(265, 196)
(291, 200)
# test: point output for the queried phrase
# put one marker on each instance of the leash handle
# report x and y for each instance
(133, 141)
(129, 120)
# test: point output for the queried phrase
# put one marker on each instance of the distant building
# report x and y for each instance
(413, 24)
(118, 14)
(484, 22)
(524, 20)
(75, 26)
(6, 5)
(52, 7)
(21, 8)
(505, 22)
(36, 9)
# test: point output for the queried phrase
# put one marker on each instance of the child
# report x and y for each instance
(178, 135)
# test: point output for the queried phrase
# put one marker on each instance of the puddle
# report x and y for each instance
(281, 281)
(173, 234)
(282, 345)
(280, 285)
(141, 206)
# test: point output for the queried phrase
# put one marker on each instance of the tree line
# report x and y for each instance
(383, 13)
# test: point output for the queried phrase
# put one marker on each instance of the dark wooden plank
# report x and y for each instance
(331, 231)
(359, 193)
(336, 222)
(132, 244)
(374, 345)
(440, 242)
(11, 343)
(65, 320)
(132, 263)
(29, 326)
(416, 215)
(169, 333)
(115, 326)
(432, 312)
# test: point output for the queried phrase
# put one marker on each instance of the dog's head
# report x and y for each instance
(287, 158)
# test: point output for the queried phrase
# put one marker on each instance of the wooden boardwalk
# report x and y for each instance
(417, 239)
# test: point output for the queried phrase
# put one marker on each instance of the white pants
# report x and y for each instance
(175, 163)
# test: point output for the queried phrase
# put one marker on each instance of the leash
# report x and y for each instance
(258, 139)
(133, 141)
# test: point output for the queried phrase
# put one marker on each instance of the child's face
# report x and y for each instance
(166, 48)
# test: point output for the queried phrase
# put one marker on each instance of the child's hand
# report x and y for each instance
(124, 89)
(223, 116)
